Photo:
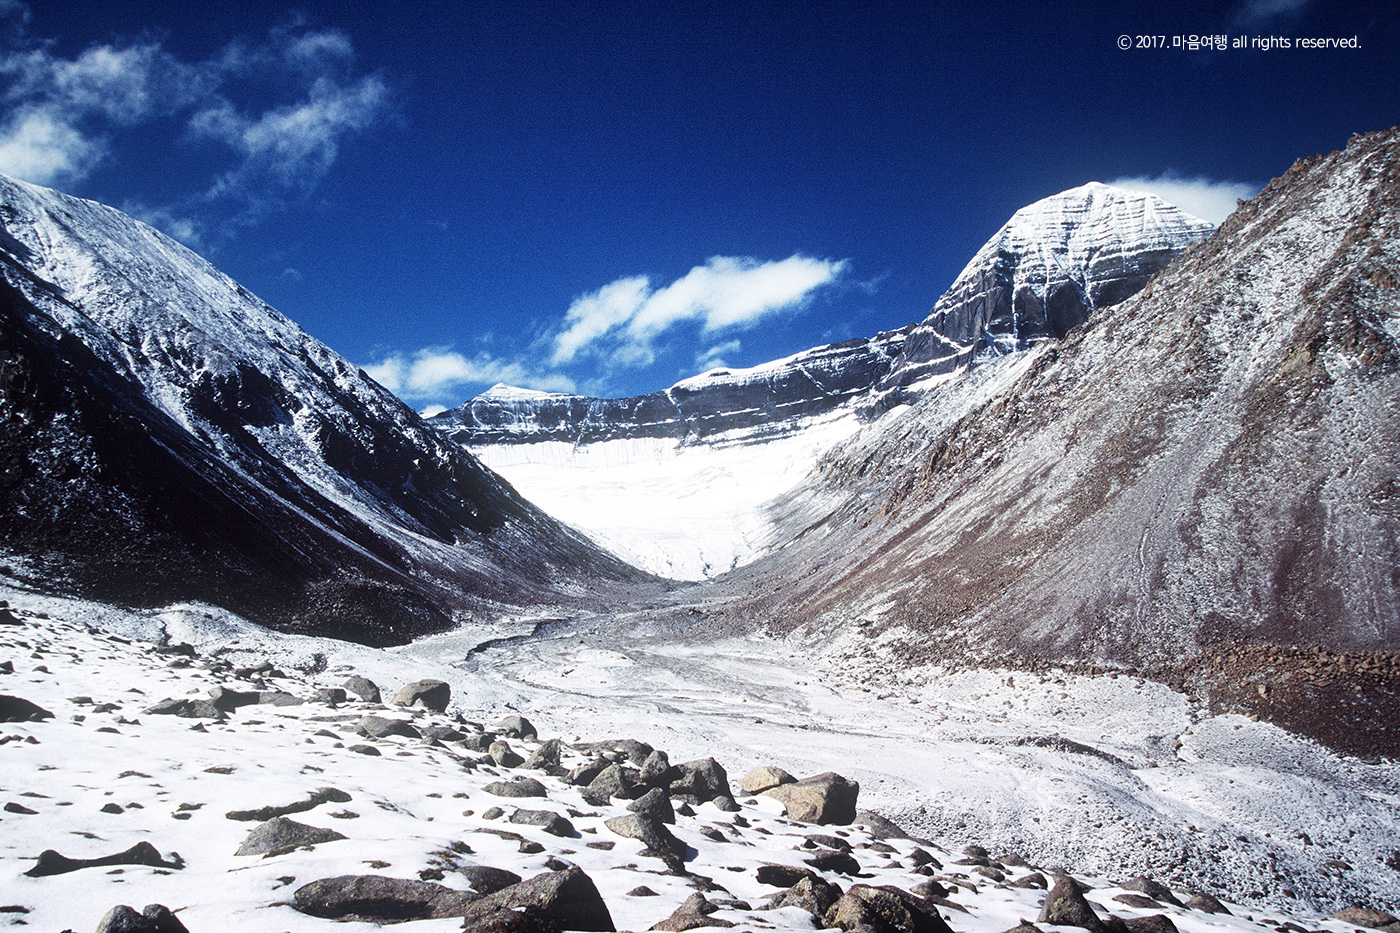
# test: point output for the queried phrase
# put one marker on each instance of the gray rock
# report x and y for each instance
(280, 835)
(1034, 880)
(546, 757)
(1153, 923)
(186, 709)
(315, 799)
(377, 727)
(584, 774)
(764, 778)
(156, 918)
(782, 876)
(331, 696)
(1363, 917)
(441, 733)
(548, 820)
(629, 750)
(843, 863)
(650, 831)
(478, 741)
(611, 782)
(656, 770)
(703, 779)
(814, 895)
(487, 880)
(432, 695)
(568, 898)
(365, 750)
(520, 787)
(228, 700)
(884, 910)
(143, 853)
(377, 899)
(656, 804)
(501, 753)
(1064, 905)
(879, 826)
(515, 727)
(364, 688)
(278, 698)
(827, 798)
(1142, 884)
(1205, 903)
(694, 912)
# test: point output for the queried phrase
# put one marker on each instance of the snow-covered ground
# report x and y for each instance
(684, 511)
(1069, 772)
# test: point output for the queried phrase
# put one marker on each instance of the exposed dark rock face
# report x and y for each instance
(164, 435)
(1198, 482)
(1053, 265)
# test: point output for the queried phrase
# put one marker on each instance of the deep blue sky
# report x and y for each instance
(612, 196)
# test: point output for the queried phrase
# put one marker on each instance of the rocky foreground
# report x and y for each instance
(243, 796)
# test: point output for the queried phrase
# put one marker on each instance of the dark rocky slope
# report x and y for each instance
(1199, 482)
(166, 436)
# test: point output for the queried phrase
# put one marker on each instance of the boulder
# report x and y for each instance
(694, 912)
(1363, 917)
(826, 798)
(584, 774)
(568, 898)
(186, 709)
(520, 787)
(654, 803)
(1206, 903)
(546, 757)
(843, 863)
(1142, 884)
(156, 918)
(143, 853)
(376, 899)
(764, 778)
(611, 782)
(487, 880)
(18, 709)
(880, 827)
(377, 727)
(1153, 923)
(656, 770)
(280, 835)
(814, 895)
(330, 696)
(432, 695)
(501, 753)
(548, 820)
(364, 688)
(228, 700)
(1065, 905)
(313, 800)
(703, 779)
(782, 876)
(884, 910)
(515, 727)
(629, 750)
(657, 839)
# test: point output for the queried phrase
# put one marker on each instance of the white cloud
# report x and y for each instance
(1260, 12)
(1206, 199)
(65, 115)
(623, 319)
(39, 145)
(436, 372)
(713, 358)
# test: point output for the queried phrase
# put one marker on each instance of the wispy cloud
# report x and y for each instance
(439, 372)
(1207, 199)
(713, 358)
(621, 321)
(1262, 12)
(65, 116)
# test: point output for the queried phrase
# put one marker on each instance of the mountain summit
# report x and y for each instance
(165, 435)
(674, 481)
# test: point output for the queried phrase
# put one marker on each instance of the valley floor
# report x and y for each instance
(1103, 778)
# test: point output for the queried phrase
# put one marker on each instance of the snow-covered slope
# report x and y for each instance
(673, 481)
(1200, 482)
(1096, 777)
(167, 434)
